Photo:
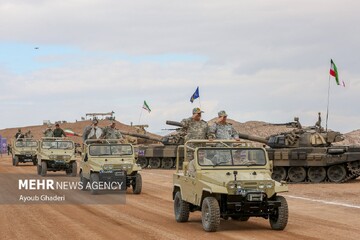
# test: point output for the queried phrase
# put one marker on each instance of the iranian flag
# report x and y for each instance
(334, 72)
(68, 132)
(146, 107)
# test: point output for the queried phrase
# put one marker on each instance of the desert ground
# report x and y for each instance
(316, 211)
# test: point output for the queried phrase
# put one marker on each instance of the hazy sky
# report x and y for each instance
(258, 60)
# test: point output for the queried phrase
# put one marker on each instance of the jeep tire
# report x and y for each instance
(210, 214)
(278, 220)
(181, 208)
(94, 178)
(43, 168)
(137, 184)
(83, 181)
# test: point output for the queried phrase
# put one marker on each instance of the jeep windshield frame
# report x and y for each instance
(28, 143)
(58, 144)
(96, 150)
(231, 157)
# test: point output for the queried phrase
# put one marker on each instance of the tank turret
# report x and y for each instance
(307, 154)
(161, 154)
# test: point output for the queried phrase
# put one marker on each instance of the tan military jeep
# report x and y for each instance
(56, 154)
(24, 150)
(227, 179)
(109, 161)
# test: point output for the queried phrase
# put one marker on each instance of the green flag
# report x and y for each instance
(146, 107)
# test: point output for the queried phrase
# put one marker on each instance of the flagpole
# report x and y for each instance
(199, 102)
(328, 102)
(140, 115)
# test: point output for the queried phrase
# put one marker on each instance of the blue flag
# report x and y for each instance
(195, 95)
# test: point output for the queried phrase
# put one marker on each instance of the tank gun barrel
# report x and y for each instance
(253, 138)
(140, 136)
(174, 123)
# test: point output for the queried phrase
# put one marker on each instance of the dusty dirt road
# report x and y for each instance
(323, 211)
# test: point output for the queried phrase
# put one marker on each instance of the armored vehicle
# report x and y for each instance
(162, 154)
(309, 155)
(24, 150)
(56, 154)
(112, 162)
(227, 179)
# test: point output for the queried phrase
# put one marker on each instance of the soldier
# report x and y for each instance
(202, 161)
(92, 131)
(9, 149)
(221, 129)
(195, 127)
(110, 132)
(48, 132)
(28, 134)
(19, 134)
(58, 132)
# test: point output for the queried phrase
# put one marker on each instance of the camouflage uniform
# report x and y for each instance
(195, 129)
(112, 133)
(48, 133)
(223, 131)
(28, 134)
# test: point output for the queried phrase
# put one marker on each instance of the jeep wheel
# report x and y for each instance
(94, 180)
(38, 169)
(16, 161)
(43, 168)
(181, 208)
(240, 218)
(34, 162)
(137, 184)
(210, 214)
(13, 161)
(279, 218)
(73, 169)
(83, 181)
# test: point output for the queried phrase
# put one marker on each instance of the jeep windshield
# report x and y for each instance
(57, 145)
(26, 144)
(231, 157)
(102, 150)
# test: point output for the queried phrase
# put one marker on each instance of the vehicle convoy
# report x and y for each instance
(112, 162)
(308, 155)
(227, 179)
(162, 154)
(24, 150)
(56, 154)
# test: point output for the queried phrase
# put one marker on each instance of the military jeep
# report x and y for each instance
(109, 161)
(227, 179)
(24, 150)
(56, 154)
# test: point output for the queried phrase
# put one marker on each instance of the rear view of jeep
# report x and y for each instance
(24, 150)
(56, 154)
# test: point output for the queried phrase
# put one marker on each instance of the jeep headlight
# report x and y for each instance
(234, 185)
(66, 157)
(269, 185)
(108, 167)
(261, 186)
(52, 157)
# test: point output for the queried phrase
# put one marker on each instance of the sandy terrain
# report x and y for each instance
(323, 211)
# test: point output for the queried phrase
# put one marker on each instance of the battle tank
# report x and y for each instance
(309, 155)
(161, 154)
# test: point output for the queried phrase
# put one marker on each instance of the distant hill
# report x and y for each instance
(256, 128)
(77, 127)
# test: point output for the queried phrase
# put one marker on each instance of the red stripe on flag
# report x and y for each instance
(332, 73)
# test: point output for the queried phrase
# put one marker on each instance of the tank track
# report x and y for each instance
(353, 171)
